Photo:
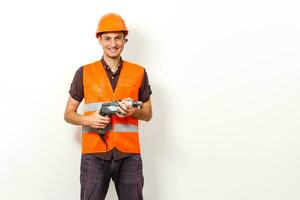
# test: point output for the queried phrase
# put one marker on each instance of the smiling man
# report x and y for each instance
(117, 156)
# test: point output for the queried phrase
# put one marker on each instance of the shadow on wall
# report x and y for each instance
(77, 135)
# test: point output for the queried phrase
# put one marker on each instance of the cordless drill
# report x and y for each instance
(111, 108)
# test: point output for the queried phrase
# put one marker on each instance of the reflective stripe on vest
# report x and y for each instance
(125, 128)
(92, 106)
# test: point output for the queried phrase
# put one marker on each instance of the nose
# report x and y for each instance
(113, 43)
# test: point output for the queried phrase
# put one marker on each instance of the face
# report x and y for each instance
(112, 43)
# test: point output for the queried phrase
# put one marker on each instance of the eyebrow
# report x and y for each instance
(120, 35)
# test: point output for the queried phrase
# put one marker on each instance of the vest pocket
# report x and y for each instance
(96, 92)
(125, 91)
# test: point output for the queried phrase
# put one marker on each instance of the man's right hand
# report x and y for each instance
(97, 121)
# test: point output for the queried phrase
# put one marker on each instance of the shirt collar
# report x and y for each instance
(106, 66)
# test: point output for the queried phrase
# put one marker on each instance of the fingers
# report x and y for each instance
(125, 108)
(102, 126)
(99, 125)
(97, 121)
(104, 119)
(128, 99)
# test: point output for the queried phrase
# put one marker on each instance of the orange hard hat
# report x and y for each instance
(111, 22)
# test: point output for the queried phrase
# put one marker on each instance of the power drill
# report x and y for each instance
(111, 108)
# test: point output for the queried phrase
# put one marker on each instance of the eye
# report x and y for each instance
(107, 39)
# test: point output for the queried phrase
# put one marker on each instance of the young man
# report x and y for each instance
(117, 156)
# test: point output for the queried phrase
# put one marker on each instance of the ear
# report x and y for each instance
(99, 39)
(100, 43)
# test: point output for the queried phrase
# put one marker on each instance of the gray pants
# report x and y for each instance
(126, 174)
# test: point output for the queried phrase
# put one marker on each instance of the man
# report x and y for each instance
(117, 156)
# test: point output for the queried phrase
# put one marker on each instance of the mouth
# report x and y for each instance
(113, 50)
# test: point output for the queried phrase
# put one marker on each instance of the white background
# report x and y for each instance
(225, 80)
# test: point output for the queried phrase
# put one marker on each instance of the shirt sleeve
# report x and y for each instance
(76, 88)
(145, 89)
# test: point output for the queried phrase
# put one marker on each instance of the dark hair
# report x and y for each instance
(100, 34)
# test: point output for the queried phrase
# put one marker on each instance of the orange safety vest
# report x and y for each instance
(97, 89)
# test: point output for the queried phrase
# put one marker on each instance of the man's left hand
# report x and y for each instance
(125, 108)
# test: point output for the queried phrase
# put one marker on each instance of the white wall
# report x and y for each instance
(225, 80)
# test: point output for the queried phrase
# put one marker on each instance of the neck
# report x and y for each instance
(113, 63)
